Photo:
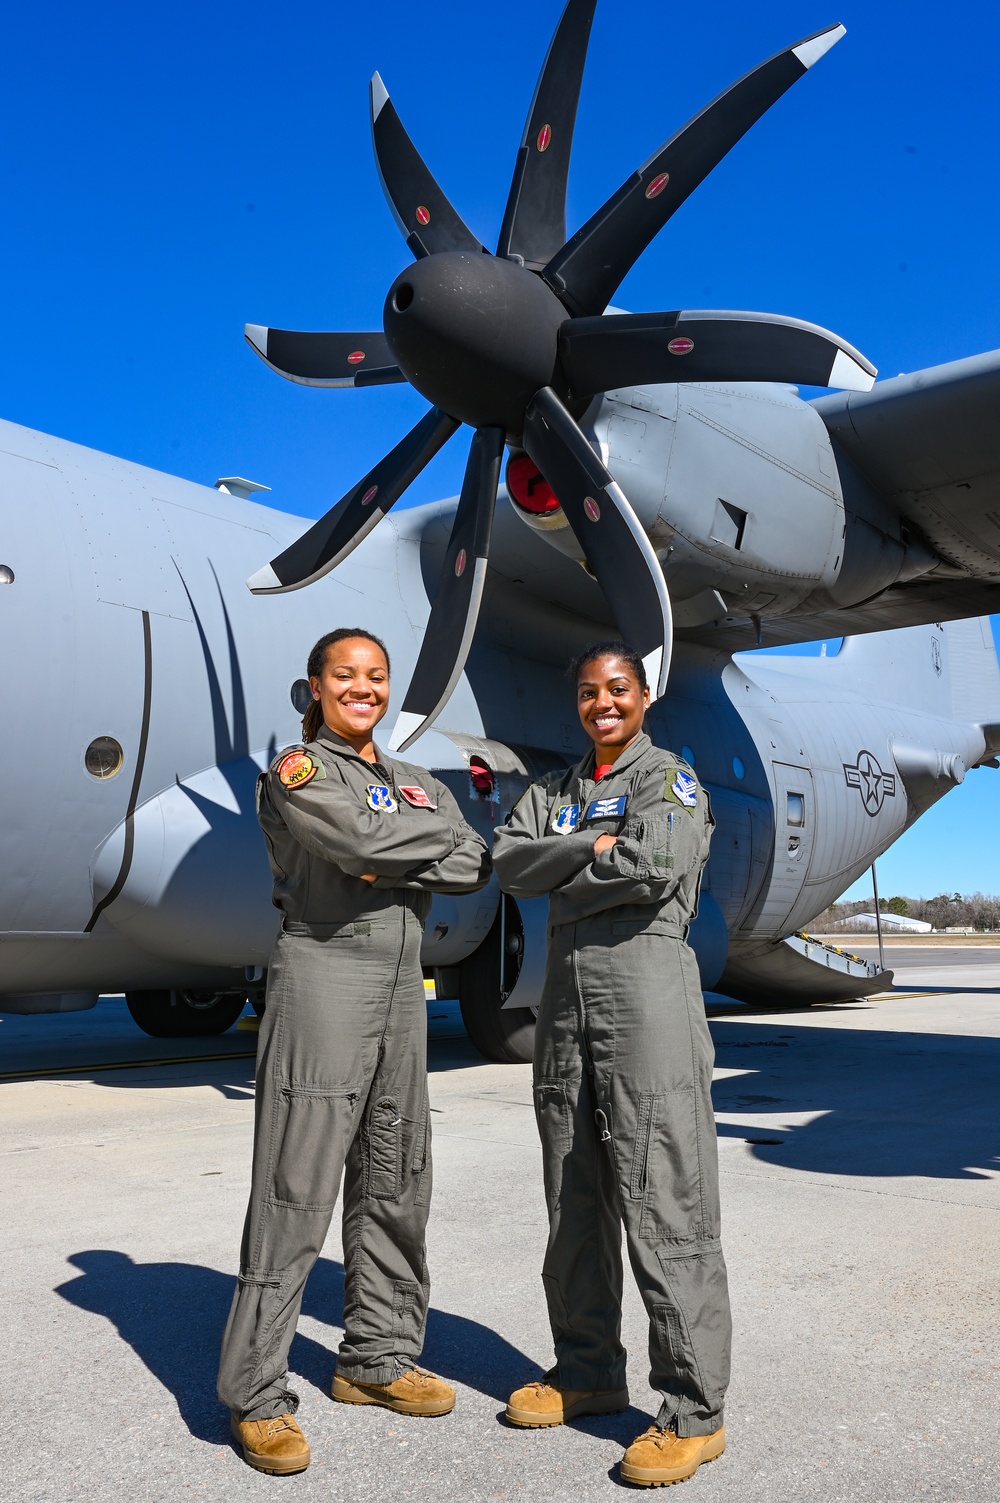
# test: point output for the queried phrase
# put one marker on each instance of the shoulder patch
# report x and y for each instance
(297, 768)
(681, 788)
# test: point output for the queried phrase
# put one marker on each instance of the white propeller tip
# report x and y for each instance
(405, 730)
(256, 334)
(380, 95)
(265, 582)
(811, 50)
(849, 375)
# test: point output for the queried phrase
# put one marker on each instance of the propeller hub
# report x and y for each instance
(475, 334)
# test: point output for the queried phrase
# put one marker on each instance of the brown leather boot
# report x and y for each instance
(272, 1445)
(415, 1392)
(539, 1404)
(660, 1457)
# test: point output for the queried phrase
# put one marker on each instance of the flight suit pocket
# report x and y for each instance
(555, 1129)
(384, 1142)
(666, 1170)
(314, 1129)
(422, 1157)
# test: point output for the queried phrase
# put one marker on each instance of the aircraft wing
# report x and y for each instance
(929, 442)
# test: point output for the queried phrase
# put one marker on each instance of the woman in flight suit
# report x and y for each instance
(622, 1077)
(358, 842)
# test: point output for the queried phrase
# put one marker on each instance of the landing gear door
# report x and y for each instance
(794, 834)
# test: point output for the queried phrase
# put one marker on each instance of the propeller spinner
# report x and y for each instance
(510, 343)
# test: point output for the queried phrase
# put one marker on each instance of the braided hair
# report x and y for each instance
(609, 649)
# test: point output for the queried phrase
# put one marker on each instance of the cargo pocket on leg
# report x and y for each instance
(555, 1129)
(667, 1169)
(422, 1158)
(384, 1136)
(313, 1132)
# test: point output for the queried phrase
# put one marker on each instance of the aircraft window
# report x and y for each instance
(688, 755)
(738, 767)
(796, 812)
(6, 574)
(103, 757)
(301, 695)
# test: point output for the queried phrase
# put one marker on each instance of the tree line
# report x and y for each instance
(976, 910)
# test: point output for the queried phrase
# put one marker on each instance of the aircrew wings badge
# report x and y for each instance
(296, 770)
(418, 797)
(380, 799)
(566, 818)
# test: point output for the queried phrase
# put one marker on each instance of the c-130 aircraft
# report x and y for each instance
(712, 511)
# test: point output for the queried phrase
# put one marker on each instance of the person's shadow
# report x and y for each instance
(172, 1316)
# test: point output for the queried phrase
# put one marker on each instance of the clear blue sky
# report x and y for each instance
(170, 173)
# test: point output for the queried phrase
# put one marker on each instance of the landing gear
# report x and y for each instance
(180, 1014)
(485, 981)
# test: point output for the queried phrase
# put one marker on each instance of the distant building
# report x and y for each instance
(864, 921)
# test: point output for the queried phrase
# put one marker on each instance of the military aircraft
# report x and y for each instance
(664, 480)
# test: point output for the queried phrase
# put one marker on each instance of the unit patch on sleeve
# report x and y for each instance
(418, 797)
(380, 799)
(297, 769)
(566, 818)
(682, 789)
(607, 808)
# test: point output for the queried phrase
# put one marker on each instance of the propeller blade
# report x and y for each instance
(618, 552)
(534, 221)
(325, 359)
(589, 267)
(426, 218)
(452, 621)
(342, 528)
(599, 354)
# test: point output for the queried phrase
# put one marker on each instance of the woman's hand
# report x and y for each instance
(604, 843)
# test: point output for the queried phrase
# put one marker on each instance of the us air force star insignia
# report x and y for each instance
(296, 769)
(686, 789)
(874, 784)
(380, 799)
(566, 819)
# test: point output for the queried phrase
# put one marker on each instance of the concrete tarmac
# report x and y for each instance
(860, 1154)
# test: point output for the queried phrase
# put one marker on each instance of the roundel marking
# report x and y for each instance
(355, 357)
(544, 137)
(681, 346)
(369, 495)
(460, 563)
(423, 214)
(592, 509)
(658, 184)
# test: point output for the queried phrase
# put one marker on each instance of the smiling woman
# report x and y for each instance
(358, 842)
(623, 1069)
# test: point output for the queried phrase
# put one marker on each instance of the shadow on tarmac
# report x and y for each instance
(885, 1103)
(172, 1316)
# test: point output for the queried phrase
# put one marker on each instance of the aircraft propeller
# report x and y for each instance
(515, 344)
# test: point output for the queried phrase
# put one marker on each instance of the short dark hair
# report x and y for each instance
(610, 649)
(313, 718)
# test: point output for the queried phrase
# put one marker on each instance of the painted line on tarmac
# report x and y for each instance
(125, 1064)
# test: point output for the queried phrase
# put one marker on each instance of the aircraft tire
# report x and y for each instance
(484, 984)
(183, 1015)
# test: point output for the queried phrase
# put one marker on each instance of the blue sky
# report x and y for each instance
(169, 173)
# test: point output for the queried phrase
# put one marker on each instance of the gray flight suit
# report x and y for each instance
(622, 1076)
(341, 1063)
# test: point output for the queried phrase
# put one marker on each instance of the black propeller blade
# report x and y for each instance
(618, 552)
(423, 213)
(325, 359)
(343, 527)
(598, 354)
(452, 621)
(534, 221)
(590, 266)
